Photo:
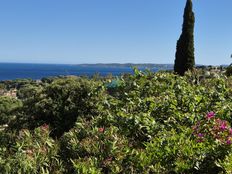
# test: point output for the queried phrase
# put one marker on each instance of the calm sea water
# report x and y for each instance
(10, 71)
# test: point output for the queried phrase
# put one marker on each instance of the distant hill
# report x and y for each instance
(143, 65)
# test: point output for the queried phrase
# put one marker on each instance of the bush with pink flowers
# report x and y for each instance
(213, 129)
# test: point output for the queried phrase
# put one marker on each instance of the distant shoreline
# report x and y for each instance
(9, 71)
(110, 64)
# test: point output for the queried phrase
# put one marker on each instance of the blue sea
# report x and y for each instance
(11, 71)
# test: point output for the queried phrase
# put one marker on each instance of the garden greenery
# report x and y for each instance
(140, 123)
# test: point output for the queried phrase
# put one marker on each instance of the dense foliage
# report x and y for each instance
(7, 107)
(185, 45)
(229, 70)
(141, 123)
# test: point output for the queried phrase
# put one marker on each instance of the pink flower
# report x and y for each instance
(223, 125)
(210, 115)
(228, 142)
(230, 131)
(101, 129)
(200, 140)
(200, 135)
(45, 127)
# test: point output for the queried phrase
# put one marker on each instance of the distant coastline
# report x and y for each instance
(111, 64)
(142, 65)
(11, 71)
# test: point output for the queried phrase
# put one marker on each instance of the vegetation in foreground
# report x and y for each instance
(141, 123)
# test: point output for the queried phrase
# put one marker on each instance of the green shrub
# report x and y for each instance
(102, 148)
(61, 102)
(34, 152)
(229, 70)
(8, 105)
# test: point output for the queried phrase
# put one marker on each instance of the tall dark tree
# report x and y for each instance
(185, 45)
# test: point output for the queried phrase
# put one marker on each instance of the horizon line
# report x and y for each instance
(101, 63)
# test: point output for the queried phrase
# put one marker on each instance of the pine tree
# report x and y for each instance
(185, 45)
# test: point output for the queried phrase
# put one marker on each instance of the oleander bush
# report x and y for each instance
(32, 152)
(140, 123)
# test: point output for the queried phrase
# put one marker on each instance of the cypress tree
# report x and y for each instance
(185, 45)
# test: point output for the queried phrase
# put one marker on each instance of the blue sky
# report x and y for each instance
(106, 31)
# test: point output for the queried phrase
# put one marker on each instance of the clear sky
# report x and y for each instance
(107, 31)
